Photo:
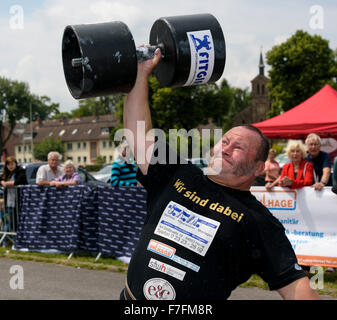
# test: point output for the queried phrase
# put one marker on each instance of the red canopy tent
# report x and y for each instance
(318, 114)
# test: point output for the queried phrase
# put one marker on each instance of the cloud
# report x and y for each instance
(34, 53)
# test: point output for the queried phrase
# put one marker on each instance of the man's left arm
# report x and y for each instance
(324, 180)
(299, 290)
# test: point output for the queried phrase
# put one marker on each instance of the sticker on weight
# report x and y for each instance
(191, 230)
(202, 57)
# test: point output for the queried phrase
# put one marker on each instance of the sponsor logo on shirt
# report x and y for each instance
(167, 269)
(169, 252)
(187, 228)
(158, 289)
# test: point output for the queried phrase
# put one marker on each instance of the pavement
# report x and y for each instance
(26, 280)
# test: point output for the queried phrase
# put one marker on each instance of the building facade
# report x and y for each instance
(84, 138)
(260, 103)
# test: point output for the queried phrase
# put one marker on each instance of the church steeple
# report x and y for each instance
(261, 64)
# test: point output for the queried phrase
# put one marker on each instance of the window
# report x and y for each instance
(110, 144)
(84, 145)
(19, 148)
(62, 133)
(104, 158)
(84, 159)
(105, 130)
(258, 88)
(104, 144)
(110, 158)
(263, 89)
(93, 150)
(70, 158)
(25, 149)
(78, 159)
(27, 136)
(79, 145)
(69, 146)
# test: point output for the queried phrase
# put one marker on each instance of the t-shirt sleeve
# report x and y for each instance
(276, 260)
(161, 168)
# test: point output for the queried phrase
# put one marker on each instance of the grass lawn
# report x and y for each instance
(111, 264)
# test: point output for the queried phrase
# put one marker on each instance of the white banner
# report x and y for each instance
(310, 220)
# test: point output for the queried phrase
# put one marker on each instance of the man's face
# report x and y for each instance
(314, 148)
(53, 162)
(234, 155)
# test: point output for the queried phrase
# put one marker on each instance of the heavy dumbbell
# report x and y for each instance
(101, 59)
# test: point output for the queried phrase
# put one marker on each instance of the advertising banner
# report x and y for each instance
(310, 220)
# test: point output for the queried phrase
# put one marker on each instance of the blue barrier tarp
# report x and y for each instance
(96, 219)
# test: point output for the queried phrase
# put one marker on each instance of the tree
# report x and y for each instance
(300, 67)
(42, 149)
(97, 106)
(15, 102)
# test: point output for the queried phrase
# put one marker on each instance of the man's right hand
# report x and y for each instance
(145, 68)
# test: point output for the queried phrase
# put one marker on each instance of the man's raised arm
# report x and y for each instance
(137, 113)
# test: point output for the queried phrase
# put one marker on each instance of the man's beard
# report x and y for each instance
(238, 169)
(244, 169)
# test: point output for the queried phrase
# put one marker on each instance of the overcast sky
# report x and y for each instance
(31, 47)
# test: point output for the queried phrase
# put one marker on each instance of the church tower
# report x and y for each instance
(260, 94)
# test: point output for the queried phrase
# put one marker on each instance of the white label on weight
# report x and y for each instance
(202, 57)
(191, 230)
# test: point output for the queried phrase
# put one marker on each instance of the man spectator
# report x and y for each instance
(204, 235)
(320, 160)
(46, 173)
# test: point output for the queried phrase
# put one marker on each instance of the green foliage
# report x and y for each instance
(93, 167)
(278, 148)
(97, 106)
(187, 107)
(15, 102)
(42, 149)
(300, 67)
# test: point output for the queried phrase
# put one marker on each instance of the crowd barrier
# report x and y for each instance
(96, 219)
(108, 220)
(9, 220)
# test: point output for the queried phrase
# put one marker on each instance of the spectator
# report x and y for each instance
(298, 173)
(271, 168)
(124, 169)
(69, 178)
(50, 171)
(13, 175)
(334, 176)
(320, 160)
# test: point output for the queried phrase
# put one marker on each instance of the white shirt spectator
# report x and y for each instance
(46, 173)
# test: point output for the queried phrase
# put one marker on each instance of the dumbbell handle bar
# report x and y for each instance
(143, 53)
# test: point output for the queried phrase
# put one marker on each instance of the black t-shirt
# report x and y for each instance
(320, 162)
(201, 240)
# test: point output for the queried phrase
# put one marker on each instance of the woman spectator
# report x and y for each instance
(271, 168)
(124, 169)
(297, 173)
(13, 175)
(69, 178)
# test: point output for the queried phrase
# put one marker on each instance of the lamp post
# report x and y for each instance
(31, 130)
